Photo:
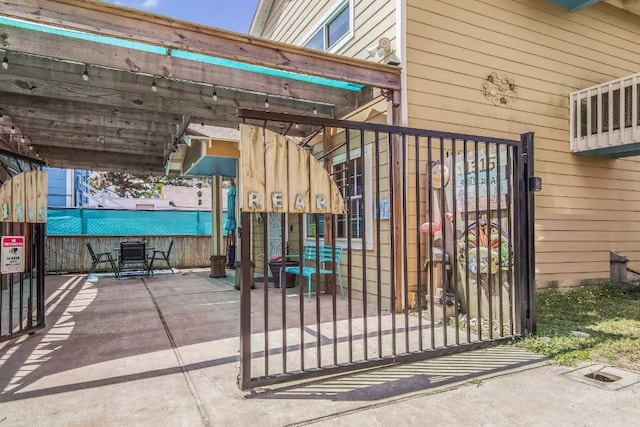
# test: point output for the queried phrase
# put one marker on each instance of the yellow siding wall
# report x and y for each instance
(588, 205)
(292, 21)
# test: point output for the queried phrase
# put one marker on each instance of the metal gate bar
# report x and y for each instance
(22, 294)
(468, 273)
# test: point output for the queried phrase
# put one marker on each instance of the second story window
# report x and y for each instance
(333, 29)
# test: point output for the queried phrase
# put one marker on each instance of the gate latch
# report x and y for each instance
(535, 183)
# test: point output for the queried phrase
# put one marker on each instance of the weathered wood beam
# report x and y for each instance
(119, 58)
(211, 113)
(70, 92)
(105, 167)
(27, 66)
(51, 129)
(75, 156)
(21, 106)
(102, 18)
(47, 143)
(41, 137)
(61, 120)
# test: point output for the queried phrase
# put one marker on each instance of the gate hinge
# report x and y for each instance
(535, 183)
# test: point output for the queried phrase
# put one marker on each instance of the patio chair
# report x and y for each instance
(161, 256)
(133, 252)
(101, 258)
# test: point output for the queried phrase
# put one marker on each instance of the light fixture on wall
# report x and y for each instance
(266, 101)
(154, 86)
(315, 110)
(5, 62)
(85, 75)
(383, 52)
(215, 95)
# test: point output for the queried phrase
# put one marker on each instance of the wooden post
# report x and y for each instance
(216, 217)
(617, 266)
(394, 118)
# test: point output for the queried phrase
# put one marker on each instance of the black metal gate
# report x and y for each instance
(22, 294)
(434, 255)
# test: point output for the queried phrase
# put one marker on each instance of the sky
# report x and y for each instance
(232, 15)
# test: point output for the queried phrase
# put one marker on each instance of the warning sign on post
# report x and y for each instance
(12, 254)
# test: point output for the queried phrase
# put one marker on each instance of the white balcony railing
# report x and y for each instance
(605, 119)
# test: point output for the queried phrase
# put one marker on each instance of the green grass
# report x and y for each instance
(608, 312)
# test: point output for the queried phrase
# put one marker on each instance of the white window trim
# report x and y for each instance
(356, 244)
(332, 13)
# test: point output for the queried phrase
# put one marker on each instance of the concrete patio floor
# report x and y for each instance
(164, 351)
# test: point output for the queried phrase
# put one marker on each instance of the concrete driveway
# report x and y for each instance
(164, 351)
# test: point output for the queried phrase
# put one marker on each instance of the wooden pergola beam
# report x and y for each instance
(32, 67)
(74, 111)
(83, 156)
(76, 120)
(142, 62)
(105, 166)
(103, 18)
(107, 147)
(61, 130)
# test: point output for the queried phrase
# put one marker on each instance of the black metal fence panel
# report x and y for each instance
(22, 305)
(327, 300)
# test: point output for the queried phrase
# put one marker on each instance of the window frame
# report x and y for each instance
(367, 197)
(326, 20)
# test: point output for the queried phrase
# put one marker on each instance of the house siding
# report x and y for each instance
(292, 21)
(588, 205)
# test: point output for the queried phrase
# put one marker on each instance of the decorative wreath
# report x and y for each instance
(488, 244)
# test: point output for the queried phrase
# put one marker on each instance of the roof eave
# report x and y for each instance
(260, 17)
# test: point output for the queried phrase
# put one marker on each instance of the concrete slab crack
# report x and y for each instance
(176, 352)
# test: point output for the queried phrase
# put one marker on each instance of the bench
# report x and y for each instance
(311, 258)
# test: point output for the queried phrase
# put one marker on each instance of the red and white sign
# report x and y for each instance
(12, 254)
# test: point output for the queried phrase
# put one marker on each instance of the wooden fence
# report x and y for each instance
(69, 254)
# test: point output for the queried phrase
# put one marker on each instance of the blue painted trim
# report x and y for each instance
(626, 150)
(207, 59)
(214, 166)
(112, 41)
(574, 5)
(190, 56)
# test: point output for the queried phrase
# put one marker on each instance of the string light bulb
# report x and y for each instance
(215, 95)
(13, 130)
(315, 110)
(85, 75)
(5, 62)
(154, 86)
(266, 101)
(22, 139)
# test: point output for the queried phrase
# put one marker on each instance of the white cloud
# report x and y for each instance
(150, 4)
(139, 4)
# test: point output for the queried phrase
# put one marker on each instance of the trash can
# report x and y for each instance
(218, 266)
(288, 279)
(239, 272)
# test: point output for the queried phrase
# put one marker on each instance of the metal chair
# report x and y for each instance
(133, 253)
(160, 256)
(101, 258)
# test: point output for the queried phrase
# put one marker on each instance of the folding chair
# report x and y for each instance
(101, 258)
(160, 256)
